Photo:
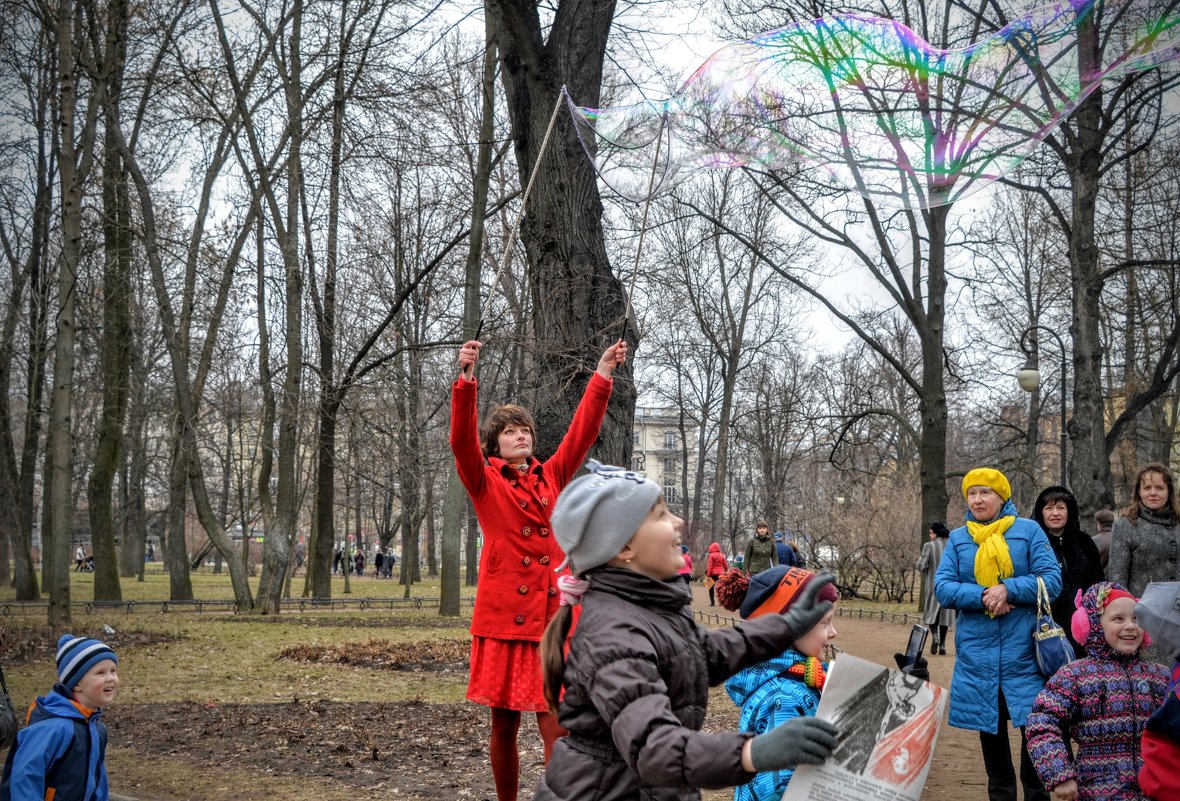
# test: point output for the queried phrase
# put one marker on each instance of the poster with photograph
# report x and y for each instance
(888, 724)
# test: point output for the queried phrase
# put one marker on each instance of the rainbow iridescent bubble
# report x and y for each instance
(869, 102)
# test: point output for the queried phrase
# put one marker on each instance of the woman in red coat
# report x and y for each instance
(513, 494)
(715, 567)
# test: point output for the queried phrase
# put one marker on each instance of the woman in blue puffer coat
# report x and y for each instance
(988, 574)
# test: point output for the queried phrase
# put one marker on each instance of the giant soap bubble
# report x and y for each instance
(870, 103)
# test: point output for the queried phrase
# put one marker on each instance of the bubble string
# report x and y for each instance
(872, 105)
(507, 255)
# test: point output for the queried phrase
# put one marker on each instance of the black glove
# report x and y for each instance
(805, 613)
(799, 741)
(919, 670)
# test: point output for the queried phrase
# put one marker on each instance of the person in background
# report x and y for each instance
(761, 554)
(1056, 512)
(1103, 522)
(378, 563)
(786, 555)
(989, 574)
(934, 616)
(685, 572)
(1145, 541)
(715, 567)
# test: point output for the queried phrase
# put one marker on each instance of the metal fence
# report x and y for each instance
(903, 618)
(13, 608)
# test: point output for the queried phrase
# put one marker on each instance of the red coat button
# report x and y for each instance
(523, 590)
(544, 532)
(519, 620)
(553, 591)
(523, 504)
(543, 560)
(544, 501)
(526, 531)
(528, 560)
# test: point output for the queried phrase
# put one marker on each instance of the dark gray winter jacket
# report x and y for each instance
(636, 682)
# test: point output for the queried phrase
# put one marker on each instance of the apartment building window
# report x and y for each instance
(636, 437)
(669, 464)
(669, 493)
(669, 439)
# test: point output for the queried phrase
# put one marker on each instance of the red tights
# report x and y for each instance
(505, 755)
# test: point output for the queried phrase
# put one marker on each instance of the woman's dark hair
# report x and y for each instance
(1132, 511)
(553, 655)
(940, 530)
(501, 417)
(1058, 494)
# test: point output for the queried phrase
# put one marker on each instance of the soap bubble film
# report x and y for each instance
(872, 105)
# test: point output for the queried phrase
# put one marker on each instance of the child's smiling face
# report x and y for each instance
(1120, 626)
(655, 548)
(97, 688)
(812, 643)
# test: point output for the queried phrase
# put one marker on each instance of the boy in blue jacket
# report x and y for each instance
(61, 752)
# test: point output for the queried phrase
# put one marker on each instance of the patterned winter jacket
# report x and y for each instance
(1103, 702)
(769, 696)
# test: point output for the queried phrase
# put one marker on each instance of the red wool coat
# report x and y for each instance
(517, 592)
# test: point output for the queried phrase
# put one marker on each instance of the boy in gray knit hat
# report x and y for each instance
(632, 691)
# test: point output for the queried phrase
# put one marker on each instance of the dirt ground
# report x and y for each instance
(409, 750)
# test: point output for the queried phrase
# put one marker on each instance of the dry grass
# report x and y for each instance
(220, 659)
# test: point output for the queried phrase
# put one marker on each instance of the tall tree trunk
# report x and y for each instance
(180, 583)
(115, 358)
(932, 398)
(76, 149)
(275, 551)
(1089, 473)
(134, 541)
(455, 500)
(577, 302)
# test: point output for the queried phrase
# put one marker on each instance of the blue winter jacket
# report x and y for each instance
(995, 653)
(59, 749)
(770, 697)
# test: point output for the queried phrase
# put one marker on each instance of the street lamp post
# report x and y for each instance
(1029, 378)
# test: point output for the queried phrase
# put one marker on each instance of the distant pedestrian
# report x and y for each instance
(760, 551)
(79, 558)
(715, 567)
(786, 556)
(390, 561)
(360, 563)
(378, 564)
(934, 615)
(685, 572)
(1103, 523)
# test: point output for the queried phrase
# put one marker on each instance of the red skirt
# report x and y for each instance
(506, 674)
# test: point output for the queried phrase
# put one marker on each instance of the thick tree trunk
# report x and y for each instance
(1089, 469)
(932, 399)
(578, 303)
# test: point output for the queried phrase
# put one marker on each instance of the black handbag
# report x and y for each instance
(8, 724)
(1054, 650)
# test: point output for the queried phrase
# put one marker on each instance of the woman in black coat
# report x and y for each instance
(1056, 512)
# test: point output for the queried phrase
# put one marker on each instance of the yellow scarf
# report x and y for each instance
(993, 561)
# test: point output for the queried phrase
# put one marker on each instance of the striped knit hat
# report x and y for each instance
(77, 655)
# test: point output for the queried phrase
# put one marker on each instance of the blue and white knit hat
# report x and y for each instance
(77, 655)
